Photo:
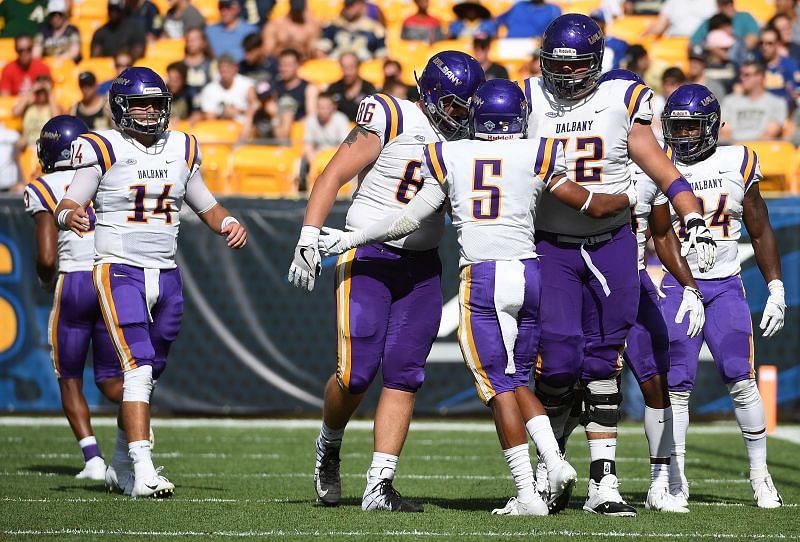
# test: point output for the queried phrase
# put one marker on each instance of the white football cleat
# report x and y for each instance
(660, 500)
(515, 507)
(561, 481)
(765, 494)
(604, 498)
(94, 469)
(119, 479)
(152, 439)
(542, 483)
(680, 494)
(383, 496)
(157, 487)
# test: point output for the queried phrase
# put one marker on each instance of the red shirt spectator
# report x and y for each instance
(18, 76)
(422, 26)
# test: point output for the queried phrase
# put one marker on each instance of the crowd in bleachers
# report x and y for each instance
(271, 86)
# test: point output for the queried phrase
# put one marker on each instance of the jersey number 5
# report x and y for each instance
(479, 211)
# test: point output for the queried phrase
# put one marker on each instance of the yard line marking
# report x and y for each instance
(790, 434)
(113, 496)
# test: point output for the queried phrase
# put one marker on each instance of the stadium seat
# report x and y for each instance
(89, 9)
(296, 135)
(318, 165)
(762, 10)
(579, 6)
(63, 71)
(9, 121)
(102, 67)
(261, 170)
(29, 163)
(631, 28)
(372, 71)
(8, 51)
(209, 9)
(216, 167)
(67, 94)
(776, 159)
(412, 55)
(396, 11)
(87, 28)
(321, 71)
(326, 10)
(671, 50)
(165, 50)
(217, 131)
(443, 10)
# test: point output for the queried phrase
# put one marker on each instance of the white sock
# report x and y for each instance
(330, 437)
(658, 429)
(143, 467)
(383, 467)
(542, 435)
(680, 425)
(121, 459)
(603, 448)
(519, 461)
(753, 424)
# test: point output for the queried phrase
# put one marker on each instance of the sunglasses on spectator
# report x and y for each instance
(24, 50)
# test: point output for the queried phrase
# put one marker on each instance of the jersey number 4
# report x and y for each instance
(140, 213)
(720, 219)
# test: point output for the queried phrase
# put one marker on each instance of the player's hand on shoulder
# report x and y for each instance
(235, 234)
(306, 264)
(333, 241)
(701, 240)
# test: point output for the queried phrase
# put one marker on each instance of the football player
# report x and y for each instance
(139, 175)
(388, 296)
(725, 180)
(493, 182)
(75, 321)
(589, 264)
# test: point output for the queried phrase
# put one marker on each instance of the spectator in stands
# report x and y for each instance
(256, 64)
(783, 73)
(353, 31)
(393, 80)
(681, 17)
(637, 60)
(57, 38)
(297, 30)
(697, 72)
(199, 59)
(294, 93)
(351, 88)
(422, 26)
(11, 145)
(226, 36)
(719, 66)
(122, 61)
(21, 17)
(615, 48)
(182, 103)
(480, 50)
(783, 26)
(36, 107)
(269, 120)
(120, 32)
(745, 27)
(790, 9)
(230, 96)
(148, 16)
(528, 18)
(326, 129)
(92, 107)
(754, 114)
(181, 17)
(533, 68)
(738, 52)
(472, 18)
(671, 79)
(19, 75)
(398, 89)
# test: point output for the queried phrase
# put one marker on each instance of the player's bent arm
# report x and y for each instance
(214, 215)
(46, 247)
(71, 210)
(756, 219)
(668, 247)
(595, 205)
(359, 149)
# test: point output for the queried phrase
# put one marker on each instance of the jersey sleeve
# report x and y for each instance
(382, 115)
(198, 196)
(550, 159)
(750, 169)
(92, 149)
(639, 102)
(38, 197)
(192, 154)
(433, 164)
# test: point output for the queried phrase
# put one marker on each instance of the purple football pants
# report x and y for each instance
(647, 351)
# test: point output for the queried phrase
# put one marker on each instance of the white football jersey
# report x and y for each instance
(594, 132)
(140, 195)
(720, 183)
(75, 253)
(493, 187)
(390, 182)
(648, 196)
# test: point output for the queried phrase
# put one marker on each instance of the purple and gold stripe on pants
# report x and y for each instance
(466, 339)
(52, 326)
(345, 348)
(102, 283)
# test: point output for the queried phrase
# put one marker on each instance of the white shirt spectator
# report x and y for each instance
(8, 159)
(685, 16)
(215, 98)
(748, 118)
(328, 135)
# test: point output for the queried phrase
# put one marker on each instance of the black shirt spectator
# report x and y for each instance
(256, 64)
(148, 15)
(351, 88)
(480, 48)
(120, 32)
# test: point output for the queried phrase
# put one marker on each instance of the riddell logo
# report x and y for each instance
(446, 71)
(564, 51)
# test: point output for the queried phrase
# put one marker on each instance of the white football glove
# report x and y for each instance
(701, 240)
(774, 311)
(306, 264)
(333, 241)
(633, 195)
(692, 303)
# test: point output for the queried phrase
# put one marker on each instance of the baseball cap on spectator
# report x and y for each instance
(87, 79)
(116, 4)
(719, 39)
(461, 9)
(56, 6)
(696, 52)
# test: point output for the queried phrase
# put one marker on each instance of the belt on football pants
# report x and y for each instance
(581, 242)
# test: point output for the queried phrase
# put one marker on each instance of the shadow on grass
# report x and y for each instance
(61, 470)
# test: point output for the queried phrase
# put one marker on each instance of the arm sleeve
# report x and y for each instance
(84, 184)
(198, 196)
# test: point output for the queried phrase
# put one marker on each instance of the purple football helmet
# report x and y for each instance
(572, 56)
(498, 110)
(54, 144)
(624, 75)
(449, 80)
(691, 107)
(140, 87)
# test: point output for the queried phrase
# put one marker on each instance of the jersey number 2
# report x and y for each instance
(585, 172)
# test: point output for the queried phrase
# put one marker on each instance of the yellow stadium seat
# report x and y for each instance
(762, 10)
(165, 50)
(631, 28)
(63, 71)
(216, 167)
(326, 10)
(29, 163)
(412, 55)
(776, 159)
(9, 121)
(451, 45)
(443, 10)
(261, 170)
(321, 71)
(296, 134)
(90, 9)
(217, 131)
(317, 166)
(67, 95)
(396, 11)
(8, 51)
(102, 67)
(672, 50)
(209, 9)
(87, 29)
(579, 6)
(372, 71)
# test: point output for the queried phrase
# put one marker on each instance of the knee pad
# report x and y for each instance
(556, 401)
(679, 401)
(137, 384)
(744, 393)
(357, 384)
(601, 406)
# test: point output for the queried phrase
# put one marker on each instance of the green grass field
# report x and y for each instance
(252, 480)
